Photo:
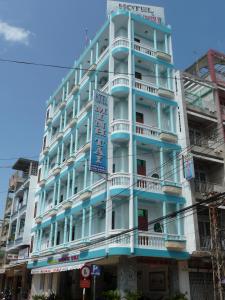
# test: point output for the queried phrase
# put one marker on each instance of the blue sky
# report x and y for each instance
(53, 32)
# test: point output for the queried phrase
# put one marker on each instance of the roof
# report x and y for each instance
(22, 164)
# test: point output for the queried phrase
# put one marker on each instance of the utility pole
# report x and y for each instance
(217, 252)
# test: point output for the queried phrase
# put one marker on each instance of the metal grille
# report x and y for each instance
(201, 285)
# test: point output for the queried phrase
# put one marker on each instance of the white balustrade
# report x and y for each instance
(103, 54)
(120, 125)
(120, 42)
(144, 49)
(145, 86)
(153, 241)
(98, 187)
(148, 184)
(120, 179)
(105, 88)
(147, 130)
(120, 80)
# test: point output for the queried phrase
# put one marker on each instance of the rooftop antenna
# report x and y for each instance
(86, 37)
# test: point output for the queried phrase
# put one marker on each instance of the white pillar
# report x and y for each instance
(68, 186)
(90, 220)
(71, 228)
(55, 235)
(96, 52)
(83, 223)
(183, 277)
(155, 39)
(65, 231)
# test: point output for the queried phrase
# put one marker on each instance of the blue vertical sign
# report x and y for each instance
(99, 137)
(188, 167)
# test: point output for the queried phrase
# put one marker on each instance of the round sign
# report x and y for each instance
(85, 271)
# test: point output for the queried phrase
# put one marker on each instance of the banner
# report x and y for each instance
(152, 13)
(99, 136)
(188, 167)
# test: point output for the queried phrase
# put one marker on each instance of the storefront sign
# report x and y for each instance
(153, 13)
(99, 139)
(62, 259)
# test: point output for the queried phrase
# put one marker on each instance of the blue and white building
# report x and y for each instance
(131, 60)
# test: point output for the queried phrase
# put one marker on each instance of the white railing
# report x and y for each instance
(145, 86)
(120, 80)
(175, 237)
(144, 49)
(148, 184)
(120, 125)
(121, 239)
(120, 179)
(147, 130)
(120, 42)
(101, 57)
(151, 240)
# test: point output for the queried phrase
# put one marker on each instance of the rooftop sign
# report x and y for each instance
(152, 13)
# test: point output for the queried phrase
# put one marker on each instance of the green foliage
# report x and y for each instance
(39, 297)
(112, 295)
(133, 295)
(179, 296)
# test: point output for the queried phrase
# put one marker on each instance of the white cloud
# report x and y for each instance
(14, 34)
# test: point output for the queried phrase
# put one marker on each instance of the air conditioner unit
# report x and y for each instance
(101, 213)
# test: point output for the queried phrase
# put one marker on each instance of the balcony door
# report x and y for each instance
(141, 167)
(143, 219)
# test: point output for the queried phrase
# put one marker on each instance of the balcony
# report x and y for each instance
(120, 85)
(45, 150)
(38, 220)
(52, 211)
(75, 88)
(91, 69)
(165, 93)
(206, 146)
(148, 184)
(144, 49)
(85, 148)
(171, 188)
(42, 183)
(120, 130)
(145, 87)
(120, 47)
(85, 195)
(120, 180)
(148, 131)
(151, 240)
(168, 137)
(85, 109)
(62, 105)
(56, 171)
(163, 56)
(70, 160)
(72, 122)
(48, 121)
(202, 189)
(67, 204)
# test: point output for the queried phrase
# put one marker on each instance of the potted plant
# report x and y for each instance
(112, 295)
(39, 297)
(135, 295)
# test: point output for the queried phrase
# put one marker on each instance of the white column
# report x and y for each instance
(166, 43)
(90, 221)
(63, 93)
(168, 79)
(175, 167)
(88, 130)
(65, 231)
(74, 108)
(76, 140)
(164, 214)
(157, 75)
(85, 173)
(71, 144)
(68, 186)
(51, 233)
(57, 159)
(91, 59)
(83, 222)
(71, 228)
(183, 277)
(159, 115)
(78, 104)
(67, 88)
(60, 123)
(155, 39)
(59, 186)
(40, 239)
(80, 71)
(62, 153)
(65, 119)
(75, 78)
(55, 235)
(172, 119)
(89, 95)
(97, 49)
(73, 181)
(161, 164)
(54, 194)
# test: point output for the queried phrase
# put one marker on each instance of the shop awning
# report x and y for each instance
(61, 267)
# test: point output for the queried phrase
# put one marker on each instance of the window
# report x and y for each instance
(44, 142)
(137, 40)
(139, 117)
(61, 198)
(35, 209)
(32, 244)
(113, 219)
(143, 219)
(141, 167)
(114, 168)
(58, 238)
(138, 75)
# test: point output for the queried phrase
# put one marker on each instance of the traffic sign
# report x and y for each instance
(95, 270)
(85, 283)
(85, 271)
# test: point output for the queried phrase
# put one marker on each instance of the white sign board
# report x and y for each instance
(153, 13)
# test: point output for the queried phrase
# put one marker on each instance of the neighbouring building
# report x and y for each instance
(20, 208)
(199, 100)
(131, 60)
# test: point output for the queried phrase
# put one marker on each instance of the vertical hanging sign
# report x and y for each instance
(188, 167)
(99, 136)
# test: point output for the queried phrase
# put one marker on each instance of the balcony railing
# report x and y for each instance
(120, 179)
(102, 56)
(120, 80)
(143, 129)
(144, 49)
(207, 187)
(120, 125)
(120, 42)
(148, 184)
(145, 86)
(151, 240)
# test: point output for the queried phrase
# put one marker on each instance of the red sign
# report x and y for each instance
(85, 271)
(85, 283)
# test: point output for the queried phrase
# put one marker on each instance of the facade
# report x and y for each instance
(200, 101)
(20, 210)
(131, 60)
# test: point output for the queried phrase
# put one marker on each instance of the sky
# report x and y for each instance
(53, 32)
